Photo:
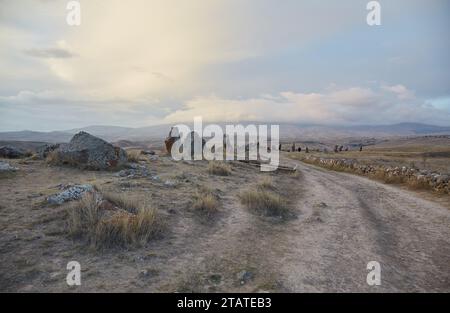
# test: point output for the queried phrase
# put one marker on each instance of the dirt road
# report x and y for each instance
(348, 221)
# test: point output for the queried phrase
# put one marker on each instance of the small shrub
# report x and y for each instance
(206, 205)
(133, 156)
(124, 228)
(265, 203)
(53, 158)
(83, 216)
(219, 168)
(121, 228)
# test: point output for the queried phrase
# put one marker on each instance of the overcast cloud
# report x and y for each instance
(138, 63)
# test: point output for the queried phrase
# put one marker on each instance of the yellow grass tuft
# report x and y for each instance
(121, 200)
(265, 203)
(134, 155)
(266, 183)
(219, 168)
(206, 205)
(120, 228)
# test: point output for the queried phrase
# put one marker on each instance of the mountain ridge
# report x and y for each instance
(287, 131)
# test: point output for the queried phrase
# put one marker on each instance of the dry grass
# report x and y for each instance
(124, 228)
(134, 156)
(119, 228)
(121, 200)
(418, 184)
(206, 205)
(55, 158)
(83, 216)
(265, 203)
(52, 158)
(387, 178)
(266, 183)
(219, 168)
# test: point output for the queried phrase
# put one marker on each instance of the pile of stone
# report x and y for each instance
(436, 181)
(71, 193)
(135, 170)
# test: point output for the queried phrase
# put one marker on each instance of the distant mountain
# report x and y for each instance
(287, 132)
(405, 128)
(27, 135)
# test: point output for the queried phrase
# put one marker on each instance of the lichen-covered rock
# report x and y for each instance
(72, 193)
(90, 152)
(11, 152)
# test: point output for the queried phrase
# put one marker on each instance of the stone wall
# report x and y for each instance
(422, 179)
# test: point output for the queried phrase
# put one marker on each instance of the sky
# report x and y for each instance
(145, 62)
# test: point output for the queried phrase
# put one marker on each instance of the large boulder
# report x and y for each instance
(11, 152)
(90, 152)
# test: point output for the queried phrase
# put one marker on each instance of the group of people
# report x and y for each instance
(294, 149)
(337, 148)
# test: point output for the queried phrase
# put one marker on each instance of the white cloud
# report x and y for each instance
(338, 106)
(401, 91)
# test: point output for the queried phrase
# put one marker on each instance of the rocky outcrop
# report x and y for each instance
(11, 152)
(90, 152)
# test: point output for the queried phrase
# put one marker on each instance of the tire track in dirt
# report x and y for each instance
(363, 221)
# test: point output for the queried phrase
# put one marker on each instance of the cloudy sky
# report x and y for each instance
(145, 62)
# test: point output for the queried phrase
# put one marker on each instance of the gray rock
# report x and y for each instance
(11, 152)
(90, 152)
(170, 183)
(155, 178)
(5, 167)
(43, 151)
(70, 194)
(135, 171)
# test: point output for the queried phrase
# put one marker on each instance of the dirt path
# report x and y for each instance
(349, 221)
